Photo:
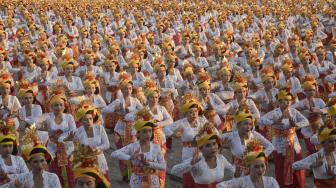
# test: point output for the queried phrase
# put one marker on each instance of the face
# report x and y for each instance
(197, 52)
(89, 60)
(329, 144)
(210, 148)
(134, 68)
(2, 57)
(284, 104)
(87, 120)
(162, 72)
(241, 94)
(268, 83)
(287, 73)
(258, 168)
(85, 182)
(5, 90)
(226, 78)
(44, 66)
(145, 134)
(91, 89)
(28, 98)
(110, 67)
(68, 70)
(6, 149)
(58, 107)
(127, 90)
(192, 113)
(321, 55)
(154, 98)
(205, 91)
(29, 59)
(245, 127)
(310, 92)
(38, 162)
(210, 116)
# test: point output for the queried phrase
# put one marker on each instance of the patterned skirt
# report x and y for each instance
(65, 174)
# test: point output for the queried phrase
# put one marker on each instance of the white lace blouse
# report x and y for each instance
(201, 172)
(36, 112)
(238, 149)
(18, 166)
(188, 133)
(50, 180)
(319, 172)
(246, 182)
(154, 156)
(98, 141)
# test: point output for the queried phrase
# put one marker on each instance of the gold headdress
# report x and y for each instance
(190, 101)
(284, 94)
(87, 108)
(254, 152)
(86, 165)
(144, 120)
(8, 134)
(206, 133)
(31, 145)
(326, 133)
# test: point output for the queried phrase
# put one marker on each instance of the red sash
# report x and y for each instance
(320, 183)
(212, 185)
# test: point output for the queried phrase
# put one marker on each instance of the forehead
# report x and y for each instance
(85, 180)
(37, 158)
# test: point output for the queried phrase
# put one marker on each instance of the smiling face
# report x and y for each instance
(68, 70)
(90, 89)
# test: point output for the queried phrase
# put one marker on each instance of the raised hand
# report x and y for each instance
(318, 162)
(196, 157)
(329, 170)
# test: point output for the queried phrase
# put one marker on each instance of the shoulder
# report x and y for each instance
(270, 179)
(156, 147)
(51, 175)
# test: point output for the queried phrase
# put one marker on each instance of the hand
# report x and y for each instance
(231, 111)
(73, 93)
(238, 171)
(329, 170)
(292, 122)
(143, 160)
(318, 162)
(18, 184)
(196, 157)
(54, 136)
(4, 175)
(306, 104)
(225, 142)
(71, 136)
(136, 155)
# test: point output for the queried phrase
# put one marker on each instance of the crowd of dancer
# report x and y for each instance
(241, 84)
